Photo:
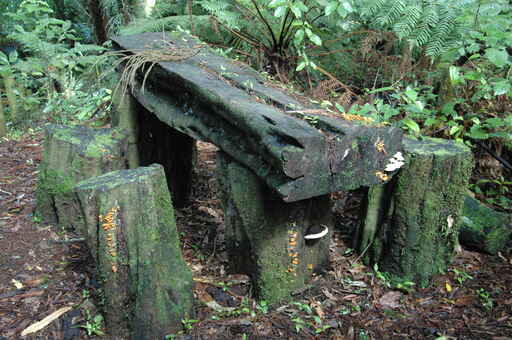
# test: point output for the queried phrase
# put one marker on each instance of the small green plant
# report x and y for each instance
(188, 324)
(299, 324)
(311, 321)
(392, 281)
(93, 325)
(461, 276)
(486, 299)
(262, 307)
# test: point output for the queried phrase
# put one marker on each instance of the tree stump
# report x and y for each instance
(280, 245)
(72, 154)
(411, 224)
(484, 228)
(130, 228)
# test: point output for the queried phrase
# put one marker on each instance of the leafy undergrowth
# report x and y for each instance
(43, 270)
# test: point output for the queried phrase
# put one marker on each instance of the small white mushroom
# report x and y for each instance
(398, 156)
(345, 154)
(318, 235)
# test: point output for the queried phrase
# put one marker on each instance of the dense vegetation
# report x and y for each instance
(435, 68)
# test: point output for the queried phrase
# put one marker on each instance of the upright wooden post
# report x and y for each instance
(152, 141)
(72, 154)
(411, 225)
(128, 219)
(280, 245)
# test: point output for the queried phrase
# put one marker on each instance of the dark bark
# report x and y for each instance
(99, 21)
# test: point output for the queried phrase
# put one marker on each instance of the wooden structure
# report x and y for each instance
(411, 225)
(288, 153)
(72, 154)
(128, 221)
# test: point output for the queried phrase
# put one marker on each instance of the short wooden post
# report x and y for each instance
(125, 117)
(152, 141)
(410, 225)
(130, 228)
(280, 245)
(72, 154)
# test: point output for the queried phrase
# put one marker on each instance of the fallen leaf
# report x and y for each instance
(45, 322)
(391, 299)
(448, 287)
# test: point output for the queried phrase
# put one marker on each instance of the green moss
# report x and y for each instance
(428, 196)
(484, 228)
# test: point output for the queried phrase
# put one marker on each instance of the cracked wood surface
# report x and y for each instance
(296, 151)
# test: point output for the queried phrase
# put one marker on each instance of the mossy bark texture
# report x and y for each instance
(125, 117)
(265, 236)
(410, 225)
(131, 230)
(72, 154)
(484, 228)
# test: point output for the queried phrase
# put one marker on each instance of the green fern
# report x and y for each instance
(430, 25)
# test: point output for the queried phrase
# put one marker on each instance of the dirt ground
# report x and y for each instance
(45, 270)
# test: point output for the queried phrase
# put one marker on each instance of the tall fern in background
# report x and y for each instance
(430, 25)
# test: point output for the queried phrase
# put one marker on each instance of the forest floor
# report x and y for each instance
(45, 270)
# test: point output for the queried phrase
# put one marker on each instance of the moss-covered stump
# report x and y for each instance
(131, 231)
(483, 228)
(72, 154)
(268, 239)
(410, 225)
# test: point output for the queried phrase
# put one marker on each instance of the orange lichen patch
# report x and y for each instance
(380, 146)
(108, 224)
(350, 117)
(382, 176)
(292, 250)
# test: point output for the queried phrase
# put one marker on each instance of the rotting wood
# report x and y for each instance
(265, 237)
(410, 225)
(299, 155)
(131, 232)
(484, 228)
(71, 154)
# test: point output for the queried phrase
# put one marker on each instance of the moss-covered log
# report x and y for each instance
(280, 245)
(410, 225)
(483, 228)
(72, 154)
(299, 151)
(129, 221)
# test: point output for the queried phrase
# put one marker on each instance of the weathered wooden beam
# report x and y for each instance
(128, 222)
(298, 151)
(411, 224)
